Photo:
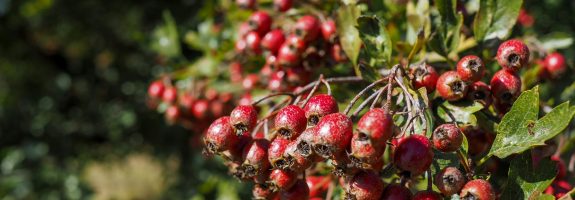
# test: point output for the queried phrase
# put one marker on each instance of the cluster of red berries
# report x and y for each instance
(291, 52)
(560, 185)
(465, 82)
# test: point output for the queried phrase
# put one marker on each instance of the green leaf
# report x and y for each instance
(375, 39)
(546, 197)
(461, 112)
(418, 45)
(556, 40)
(166, 40)
(442, 160)
(520, 130)
(495, 19)
(448, 29)
(523, 183)
(348, 34)
(418, 21)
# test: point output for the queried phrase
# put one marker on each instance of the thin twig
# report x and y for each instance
(316, 85)
(291, 95)
(350, 105)
(379, 93)
(363, 105)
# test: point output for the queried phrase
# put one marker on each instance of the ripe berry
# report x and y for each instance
(478, 189)
(447, 138)
(220, 136)
(276, 82)
(288, 56)
(505, 86)
(424, 76)
(241, 46)
(170, 95)
(243, 119)
(305, 144)
(253, 42)
(396, 192)
(260, 22)
(200, 108)
(156, 89)
(561, 169)
(235, 72)
(282, 179)
(479, 141)
(246, 4)
(296, 43)
(308, 28)
(297, 75)
(294, 156)
(172, 114)
(559, 188)
(427, 195)
(413, 155)
(318, 185)
(244, 29)
(470, 68)
(250, 81)
(364, 152)
(262, 192)
(512, 55)
(283, 5)
(276, 153)
(337, 53)
(334, 132)
(290, 121)
(319, 106)
(375, 125)
(273, 40)
(554, 65)
(328, 31)
(365, 186)
(449, 181)
(525, 19)
(450, 86)
(245, 99)
(299, 191)
(255, 157)
(481, 92)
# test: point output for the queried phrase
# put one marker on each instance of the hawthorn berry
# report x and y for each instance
(318, 185)
(276, 82)
(300, 190)
(424, 76)
(282, 179)
(512, 55)
(413, 155)
(559, 188)
(364, 152)
(308, 28)
(172, 114)
(255, 157)
(375, 125)
(220, 136)
(290, 121)
(283, 5)
(554, 65)
(288, 55)
(318, 106)
(244, 29)
(470, 68)
(260, 22)
(337, 53)
(396, 192)
(365, 185)
(480, 92)
(253, 42)
(250, 81)
(241, 46)
(449, 181)
(479, 141)
(447, 138)
(334, 132)
(298, 161)
(276, 153)
(525, 19)
(297, 75)
(243, 119)
(427, 195)
(200, 109)
(561, 169)
(263, 192)
(477, 189)
(156, 89)
(170, 95)
(328, 30)
(305, 144)
(273, 40)
(505, 87)
(246, 4)
(450, 86)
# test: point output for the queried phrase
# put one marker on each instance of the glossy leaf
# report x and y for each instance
(495, 19)
(375, 39)
(348, 34)
(523, 183)
(556, 40)
(461, 112)
(166, 40)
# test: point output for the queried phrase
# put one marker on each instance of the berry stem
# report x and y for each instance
(326, 85)
(291, 95)
(463, 160)
(429, 180)
(315, 86)
(379, 93)
(366, 102)
(346, 79)
(350, 105)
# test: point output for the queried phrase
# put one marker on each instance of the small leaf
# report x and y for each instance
(520, 130)
(442, 160)
(461, 112)
(418, 21)
(348, 34)
(556, 40)
(495, 19)
(375, 39)
(166, 40)
(523, 183)
(546, 197)
(418, 45)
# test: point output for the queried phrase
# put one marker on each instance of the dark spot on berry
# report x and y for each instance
(240, 129)
(212, 148)
(469, 196)
(506, 96)
(458, 86)
(479, 95)
(513, 59)
(448, 179)
(362, 137)
(420, 72)
(299, 32)
(284, 132)
(304, 148)
(322, 150)
(474, 65)
(313, 120)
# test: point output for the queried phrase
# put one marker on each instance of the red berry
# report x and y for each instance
(479, 141)
(246, 4)
(282, 179)
(478, 189)
(505, 87)
(337, 53)
(299, 191)
(276, 153)
(561, 169)
(253, 42)
(262, 191)
(319, 106)
(273, 40)
(276, 82)
(396, 192)
(298, 162)
(297, 75)
(288, 55)
(255, 157)
(308, 28)
(427, 195)
(512, 55)
(244, 119)
(290, 121)
(260, 22)
(220, 136)
(424, 76)
(172, 114)
(447, 138)
(525, 19)
(156, 89)
(246, 99)
(450, 86)
(200, 108)
(334, 132)
(470, 68)
(305, 143)
(364, 153)
(318, 185)
(235, 72)
(413, 155)
(296, 43)
(376, 125)
(170, 95)
(250, 81)
(244, 29)
(481, 92)
(554, 65)
(328, 30)
(449, 181)
(283, 5)
(365, 186)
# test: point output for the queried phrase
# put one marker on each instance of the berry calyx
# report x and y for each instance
(319, 106)
(333, 132)
(290, 122)
(512, 55)
(480, 92)
(273, 40)
(427, 195)
(505, 87)
(243, 119)
(260, 22)
(156, 89)
(477, 189)
(450, 86)
(364, 153)
(220, 136)
(282, 179)
(276, 153)
(449, 181)
(365, 185)
(424, 76)
(396, 192)
(447, 138)
(308, 28)
(375, 125)
(413, 155)
(470, 68)
(554, 65)
(255, 157)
